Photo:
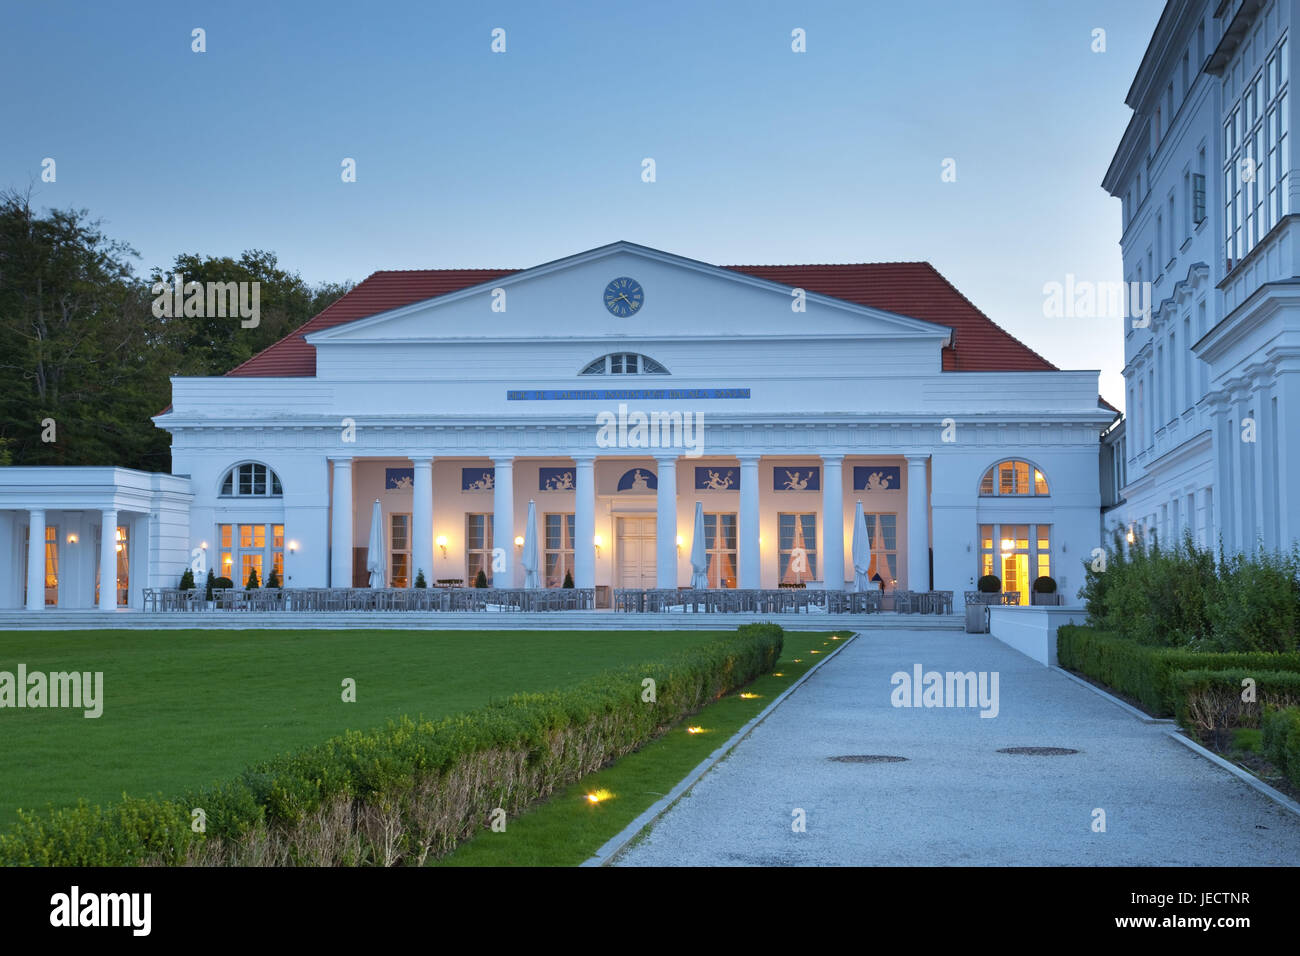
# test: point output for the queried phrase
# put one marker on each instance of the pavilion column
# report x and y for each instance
(108, 560)
(750, 566)
(341, 529)
(833, 522)
(503, 522)
(918, 525)
(36, 560)
(584, 523)
(666, 525)
(422, 520)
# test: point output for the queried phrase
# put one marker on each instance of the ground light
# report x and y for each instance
(599, 796)
(748, 696)
(695, 730)
(777, 674)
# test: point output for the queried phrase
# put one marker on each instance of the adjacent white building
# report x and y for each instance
(1205, 175)
(615, 389)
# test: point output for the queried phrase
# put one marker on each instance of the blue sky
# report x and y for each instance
(466, 158)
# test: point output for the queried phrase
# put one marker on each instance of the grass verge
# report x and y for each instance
(568, 828)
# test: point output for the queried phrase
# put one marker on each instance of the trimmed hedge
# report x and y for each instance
(412, 790)
(1147, 673)
(1281, 740)
(1210, 701)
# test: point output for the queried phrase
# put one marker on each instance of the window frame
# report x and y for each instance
(993, 475)
(232, 481)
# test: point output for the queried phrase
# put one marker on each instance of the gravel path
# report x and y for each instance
(956, 801)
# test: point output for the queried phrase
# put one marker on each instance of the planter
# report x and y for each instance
(977, 618)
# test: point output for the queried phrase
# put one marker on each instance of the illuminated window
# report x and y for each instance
(251, 547)
(558, 559)
(478, 547)
(1016, 553)
(720, 547)
(400, 551)
(796, 548)
(1013, 478)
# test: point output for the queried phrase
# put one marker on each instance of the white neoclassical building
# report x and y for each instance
(1209, 195)
(613, 389)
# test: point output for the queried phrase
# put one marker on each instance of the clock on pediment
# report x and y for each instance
(624, 296)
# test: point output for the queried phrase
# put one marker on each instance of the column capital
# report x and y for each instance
(41, 511)
(583, 457)
(918, 459)
(503, 461)
(832, 459)
(667, 459)
(344, 460)
(748, 459)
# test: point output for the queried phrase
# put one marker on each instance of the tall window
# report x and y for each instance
(720, 547)
(796, 548)
(1013, 478)
(1016, 553)
(558, 559)
(1187, 362)
(251, 547)
(51, 569)
(251, 480)
(882, 538)
(1256, 157)
(399, 551)
(478, 547)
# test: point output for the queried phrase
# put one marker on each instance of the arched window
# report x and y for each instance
(624, 363)
(251, 480)
(1014, 478)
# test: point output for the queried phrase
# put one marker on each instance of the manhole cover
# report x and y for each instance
(868, 758)
(1038, 751)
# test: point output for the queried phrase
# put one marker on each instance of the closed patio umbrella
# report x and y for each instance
(699, 557)
(375, 559)
(861, 551)
(529, 559)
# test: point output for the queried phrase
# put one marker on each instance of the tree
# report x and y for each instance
(252, 579)
(187, 580)
(480, 579)
(211, 583)
(419, 579)
(568, 579)
(273, 579)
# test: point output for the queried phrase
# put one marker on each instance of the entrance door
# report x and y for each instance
(636, 552)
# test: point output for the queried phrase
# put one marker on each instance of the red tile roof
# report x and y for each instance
(914, 289)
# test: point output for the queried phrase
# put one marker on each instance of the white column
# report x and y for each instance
(36, 560)
(918, 525)
(750, 567)
(833, 522)
(503, 521)
(108, 561)
(666, 526)
(341, 529)
(584, 523)
(422, 520)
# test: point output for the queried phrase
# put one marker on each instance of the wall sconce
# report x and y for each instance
(1130, 536)
(597, 541)
(203, 545)
(72, 539)
(1008, 544)
(679, 544)
(441, 542)
(519, 541)
(293, 546)
(1064, 548)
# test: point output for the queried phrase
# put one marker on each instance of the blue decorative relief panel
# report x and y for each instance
(638, 479)
(710, 478)
(399, 479)
(478, 479)
(798, 478)
(877, 478)
(555, 479)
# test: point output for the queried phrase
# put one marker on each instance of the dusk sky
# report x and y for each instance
(469, 158)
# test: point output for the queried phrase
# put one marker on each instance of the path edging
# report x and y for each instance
(1277, 796)
(1122, 704)
(617, 843)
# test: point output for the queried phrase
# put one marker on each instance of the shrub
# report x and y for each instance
(1281, 740)
(411, 790)
(187, 580)
(1044, 585)
(1258, 607)
(419, 579)
(1146, 673)
(207, 588)
(989, 584)
(220, 583)
(1211, 701)
(252, 579)
(480, 579)
(568, 579)
(273, 581)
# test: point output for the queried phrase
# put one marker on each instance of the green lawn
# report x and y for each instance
(570, 827)
(187, 708)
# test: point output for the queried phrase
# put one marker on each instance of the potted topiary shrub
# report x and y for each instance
(419, 579)
(989, 584)
(222, 584)
(187, 580)
(1043, 591)
(274, 580)
(252, 581)
(207, 588)
(568, 579)
(480, 579)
